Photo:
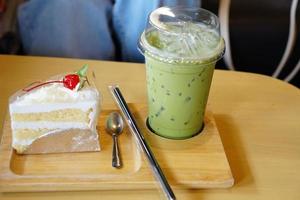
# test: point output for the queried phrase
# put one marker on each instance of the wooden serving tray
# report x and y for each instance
(198, 162)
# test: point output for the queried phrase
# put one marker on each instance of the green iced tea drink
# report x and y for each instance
(180, 57)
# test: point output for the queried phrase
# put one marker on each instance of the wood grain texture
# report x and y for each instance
(257, 117)
(198, 162)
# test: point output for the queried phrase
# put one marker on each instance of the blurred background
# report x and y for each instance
(262, 36)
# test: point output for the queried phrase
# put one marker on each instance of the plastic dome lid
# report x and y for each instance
(182, 34)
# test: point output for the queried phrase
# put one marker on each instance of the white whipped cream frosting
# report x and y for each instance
(53, 97)
(56, 93)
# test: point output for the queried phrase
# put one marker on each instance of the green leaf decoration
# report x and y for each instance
(81, 84)
(82, 72)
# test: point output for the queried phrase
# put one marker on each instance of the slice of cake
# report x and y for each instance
(59, 115)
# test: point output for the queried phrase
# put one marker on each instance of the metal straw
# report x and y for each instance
(159, 175)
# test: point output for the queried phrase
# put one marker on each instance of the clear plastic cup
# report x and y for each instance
(181, 47)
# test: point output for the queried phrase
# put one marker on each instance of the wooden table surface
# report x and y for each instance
(258, 118)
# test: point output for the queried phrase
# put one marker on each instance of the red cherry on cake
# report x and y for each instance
(71, 80)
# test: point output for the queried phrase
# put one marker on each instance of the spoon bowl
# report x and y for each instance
(115, 126)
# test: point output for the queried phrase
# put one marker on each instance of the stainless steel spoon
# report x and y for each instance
(115, 125)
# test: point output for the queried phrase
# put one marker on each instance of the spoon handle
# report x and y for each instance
(116, 162)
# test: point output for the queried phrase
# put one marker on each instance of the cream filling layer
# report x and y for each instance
(15, 108)
(50, 125)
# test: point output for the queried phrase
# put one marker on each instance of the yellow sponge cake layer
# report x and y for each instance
(58, 141)
(29, 134)
(76, 115)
